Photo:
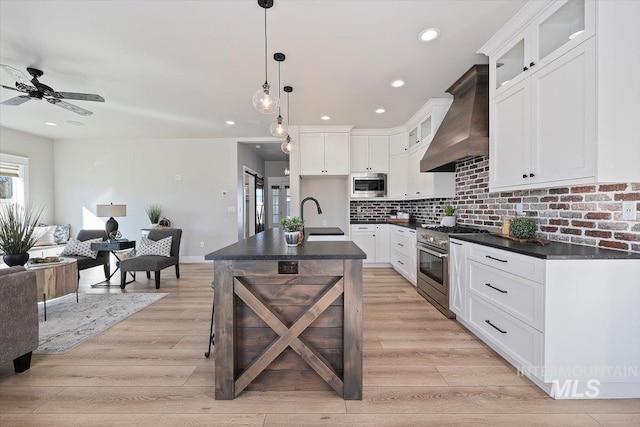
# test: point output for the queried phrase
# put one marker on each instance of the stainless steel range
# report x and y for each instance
(433, 264)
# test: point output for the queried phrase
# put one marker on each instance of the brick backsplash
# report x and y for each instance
(586, 214)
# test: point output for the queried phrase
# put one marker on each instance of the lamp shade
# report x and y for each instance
(111, 210)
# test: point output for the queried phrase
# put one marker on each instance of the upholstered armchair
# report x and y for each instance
(154, 263)
(18, 316)
(103, 258)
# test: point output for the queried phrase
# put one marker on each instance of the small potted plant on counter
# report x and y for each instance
(449, 220)
(522, 227)
(292, 227)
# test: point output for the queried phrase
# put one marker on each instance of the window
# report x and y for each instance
(14, 174)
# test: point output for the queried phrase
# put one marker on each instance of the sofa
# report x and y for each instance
(18, 316)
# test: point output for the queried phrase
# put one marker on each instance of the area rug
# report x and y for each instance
(70, 324)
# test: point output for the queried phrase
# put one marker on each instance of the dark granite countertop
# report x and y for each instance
(552, 251)
(412, 225)
(270, 245)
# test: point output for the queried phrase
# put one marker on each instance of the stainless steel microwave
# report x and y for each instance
(365, 185)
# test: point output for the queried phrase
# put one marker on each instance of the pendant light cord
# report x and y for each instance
(265, 46)
(279, 91)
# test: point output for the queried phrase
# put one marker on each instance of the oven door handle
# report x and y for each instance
(435, 254)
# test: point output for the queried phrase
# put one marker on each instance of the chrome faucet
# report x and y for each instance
(302, 207)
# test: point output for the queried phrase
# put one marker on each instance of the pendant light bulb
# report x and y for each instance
(265, 101)
(288, 146)
(286, 171)
(279, 128)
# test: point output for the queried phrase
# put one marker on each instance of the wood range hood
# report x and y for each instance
(464, 132)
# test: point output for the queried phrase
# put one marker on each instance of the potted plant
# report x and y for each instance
(522, 227)
(292, 227)
(17, 232)
(449, 220)
(153, 212)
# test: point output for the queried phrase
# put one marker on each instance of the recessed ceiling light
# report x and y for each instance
(429, 34)
(380, 110)
(258, 146)
(325, 118)
(397, 83)
(230, 122)
(50, 123)
(75, 123)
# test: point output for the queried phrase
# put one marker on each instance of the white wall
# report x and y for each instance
(40, 153)
(332, 194)
(141, 172)
(274, 168)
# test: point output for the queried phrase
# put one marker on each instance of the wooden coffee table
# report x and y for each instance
(56, 279)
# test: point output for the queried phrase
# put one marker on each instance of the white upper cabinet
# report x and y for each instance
(428, 184)
(398, 143)
(560, 110)
(324, 153)
(398, 177)
(369, 153)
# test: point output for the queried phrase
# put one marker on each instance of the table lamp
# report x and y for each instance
(110, 211)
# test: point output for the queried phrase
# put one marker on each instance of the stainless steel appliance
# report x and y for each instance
(433, 264)
(364, 185)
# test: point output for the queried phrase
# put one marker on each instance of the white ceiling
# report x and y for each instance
(180, 69)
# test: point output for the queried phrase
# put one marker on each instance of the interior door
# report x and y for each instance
(279, 200)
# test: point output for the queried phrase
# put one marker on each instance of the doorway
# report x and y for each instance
(279, 200)
(253, 198)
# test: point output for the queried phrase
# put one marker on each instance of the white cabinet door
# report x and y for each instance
(312, 153)
(336, 153)
(359, 148)
(457, 278)
(379, 153)
(382, 243)
(398, 176)
(509, 151)
(398, 143)
(366, 242)
(415, 155)
(565, 117)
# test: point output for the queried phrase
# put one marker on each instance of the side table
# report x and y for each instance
(55, 279)
(114, 246)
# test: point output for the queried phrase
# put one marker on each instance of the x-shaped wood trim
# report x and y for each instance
(289, 336)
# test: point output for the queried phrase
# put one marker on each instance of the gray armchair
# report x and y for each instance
(18, 316)
(154, 263)
(103, 258)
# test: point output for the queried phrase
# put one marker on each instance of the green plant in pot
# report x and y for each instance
(292, 226)
(522, 227)
(17, 232)
(449, 220)
(153, 212)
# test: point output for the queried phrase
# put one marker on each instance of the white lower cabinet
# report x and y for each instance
(403, 252)
(567, 324)
(373, 239)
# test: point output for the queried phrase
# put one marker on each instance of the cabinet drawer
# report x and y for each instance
(401, 262)
(519, 297)
(520, 265)
(403, 245)
(357, 228)
(520, 341)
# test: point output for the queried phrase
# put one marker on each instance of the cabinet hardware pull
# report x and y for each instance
(497, 289)
(400, 262)
(525, 68)
(400, 244)
(532, 64)
(524, 175)
(495, 327)
(531, 175)
(495, 259)
(456, 243)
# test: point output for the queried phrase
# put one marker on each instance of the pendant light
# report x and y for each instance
(263, 100)
(279, 127)
(289, 145)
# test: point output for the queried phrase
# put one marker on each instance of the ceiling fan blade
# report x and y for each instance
(70, 107)
(80, 96)
(17, 75)
(17, 100)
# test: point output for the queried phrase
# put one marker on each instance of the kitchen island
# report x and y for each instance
(288, 318)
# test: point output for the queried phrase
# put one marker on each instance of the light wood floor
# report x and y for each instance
(420, 369)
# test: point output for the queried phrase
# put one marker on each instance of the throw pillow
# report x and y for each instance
(76, 247)
(160, 247)
(45, 235)
(62, 233)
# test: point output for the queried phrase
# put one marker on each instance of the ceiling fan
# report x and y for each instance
(37, 90)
